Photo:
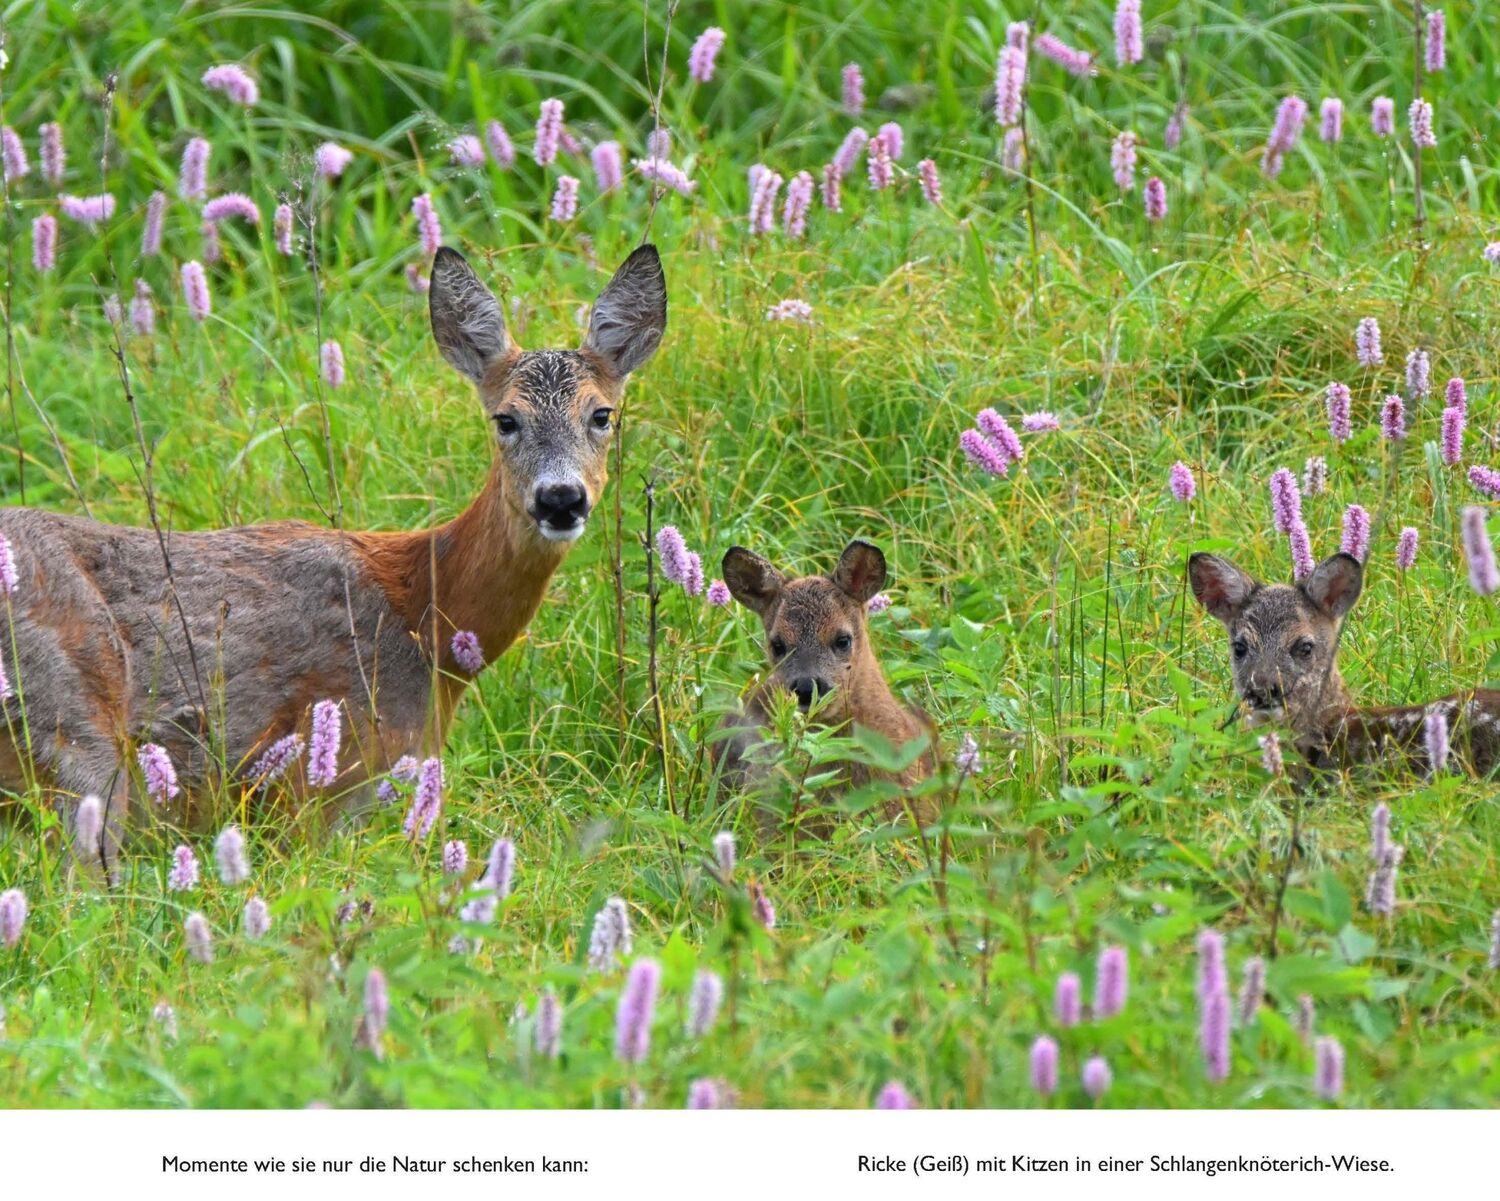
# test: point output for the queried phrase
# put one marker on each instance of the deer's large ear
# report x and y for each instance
(861, 571)
(1335, 584)
(752, 580)
(630, 316)
(1220, 586)
(467, 323)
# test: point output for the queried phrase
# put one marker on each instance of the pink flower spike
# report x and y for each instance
(1017, 34)
(465, 151)
(1437, 41)
(790, 310)
(1406, 548)
(1077, 62)
(997, 430)
(44, 243)
(143, 310)
(1456, 395)
(501, 149)
(1013, 150)
(1044, 1066)
(1486, 481)
(667, 174)
(895, 140)
(1176, 125)
(327, 734)
(854, 89)
(1483, 574)
(1040, 422)
(879, 162)
(200, 939)
(1367, 342)
(1286, 500)
(565, 199)
(332, 160)
(229, 854)
(54, 157)
(982, 453)
(1301, 547)
(1393, 419)
(1156, 199)
(88, 210)
(428, 228)
(932, 186)
(1129, 46)
(195, 291)
(467, 652)
(1383, 116)
(13, 155)
(192, 178)
(159, 774)
(799, 194)
(1122, 160)
(1356, 539)
(331, 363)
(765, 184)
(282, 225)
(718, 594)
(609, 170)
(846, 157)
(1338, 402)
(1010, 85)
(548, 132)
(156, 211)
(231, 204)
(233, 82)
(1181, 481)
(705, 50)
(1331, 119)
(1453, 436)
(833, 201)
(1420, 117)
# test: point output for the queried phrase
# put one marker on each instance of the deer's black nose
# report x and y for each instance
(807, 689)
(561, 505)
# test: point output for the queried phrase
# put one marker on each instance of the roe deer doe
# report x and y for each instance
(216, 644)
(819, 642)
(1283, 641)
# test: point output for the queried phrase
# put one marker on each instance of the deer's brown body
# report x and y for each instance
(819, 642)
(106, 649)
(1283, 643)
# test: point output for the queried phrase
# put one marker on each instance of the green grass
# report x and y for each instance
(1045, 613)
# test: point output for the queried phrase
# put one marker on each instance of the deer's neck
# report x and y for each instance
(485, 571)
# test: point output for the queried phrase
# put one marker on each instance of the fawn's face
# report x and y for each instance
(553, 411)
(816, 632)
(1283, 638)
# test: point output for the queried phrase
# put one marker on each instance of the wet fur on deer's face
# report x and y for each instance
(817, 637)
(1283, 638)
(553, 411)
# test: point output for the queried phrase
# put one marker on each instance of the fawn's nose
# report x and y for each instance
(1265, 695)
(562, 507)
(807, 689)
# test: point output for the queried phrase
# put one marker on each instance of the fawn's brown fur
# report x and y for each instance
(227, 652)
(1283, 643)
(818, 637)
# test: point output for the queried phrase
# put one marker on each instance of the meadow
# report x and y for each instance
(1116, 811)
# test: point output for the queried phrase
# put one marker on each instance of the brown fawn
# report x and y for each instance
(818, 637)
(1283, 643)
(216, 644)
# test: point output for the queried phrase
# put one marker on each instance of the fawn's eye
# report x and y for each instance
(1241, 648)
(778, 648)
(506, 424)
(843, 642)
(599, 418)
(1303, 648)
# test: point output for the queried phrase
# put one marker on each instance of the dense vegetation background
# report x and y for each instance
(1045, 613)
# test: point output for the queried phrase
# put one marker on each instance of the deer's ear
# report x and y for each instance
(467, 323)
(752, 580)
(861, 571)
(1220, 586)
(630, 316)
(1335, 584)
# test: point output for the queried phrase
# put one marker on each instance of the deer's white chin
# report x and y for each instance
(1263, 717)
(552, 534)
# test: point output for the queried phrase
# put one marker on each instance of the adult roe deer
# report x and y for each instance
(1283, 641)
(224, 651)
(818, 638)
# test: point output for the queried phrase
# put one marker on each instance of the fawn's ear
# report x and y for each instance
(1335, 584)
(752, 581)
(630, 316)
(861, 571)
(1220, 586)
(467, 323)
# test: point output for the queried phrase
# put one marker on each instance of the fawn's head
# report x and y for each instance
(553, 410)
(816, 632)
(1283, 638)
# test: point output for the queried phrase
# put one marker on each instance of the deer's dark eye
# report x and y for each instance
(1303, 649)
(778, 648)
(506, 424)
(1241, 648)
(599, 418)
(843, 642)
